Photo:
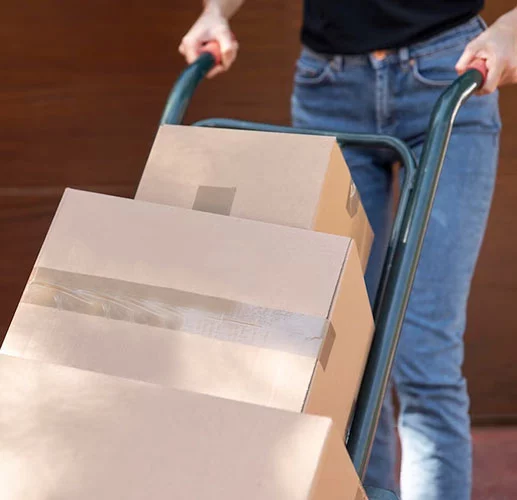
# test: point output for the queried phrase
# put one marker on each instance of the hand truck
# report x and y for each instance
(405, 244)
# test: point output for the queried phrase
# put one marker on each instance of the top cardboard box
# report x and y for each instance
(236, 308)
(77, 435)
(289, 179)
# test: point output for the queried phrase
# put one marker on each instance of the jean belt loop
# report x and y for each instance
(404, 58)
(337, 63)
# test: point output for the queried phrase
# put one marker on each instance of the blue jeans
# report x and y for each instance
(394, 94)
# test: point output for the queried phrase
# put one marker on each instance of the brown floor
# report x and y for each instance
(495, 463)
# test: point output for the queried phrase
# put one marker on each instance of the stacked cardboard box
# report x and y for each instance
(74, 434)
(289, 179)
(159, 299)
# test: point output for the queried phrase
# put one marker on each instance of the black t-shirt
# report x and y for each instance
(361, 26)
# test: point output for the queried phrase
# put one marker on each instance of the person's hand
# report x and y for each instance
(497, 46)
(211, 26)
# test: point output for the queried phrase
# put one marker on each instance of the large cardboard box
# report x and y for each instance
(294, 180)
(236, 308)
(77, 435)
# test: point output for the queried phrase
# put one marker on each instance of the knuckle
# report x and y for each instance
(186, 40)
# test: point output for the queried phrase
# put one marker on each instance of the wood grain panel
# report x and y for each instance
(84, 84)
(491, 345)
(24, 222)
(25, 216)
(83, 87)
(491, 355)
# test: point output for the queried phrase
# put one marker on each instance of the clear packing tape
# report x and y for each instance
(181, 310)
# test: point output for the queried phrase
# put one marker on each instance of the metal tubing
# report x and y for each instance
(393, 303)
(407, 161)
(406, 240)
(356, 140)
(182, 92)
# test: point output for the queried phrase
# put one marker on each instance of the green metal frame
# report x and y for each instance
(409, 228)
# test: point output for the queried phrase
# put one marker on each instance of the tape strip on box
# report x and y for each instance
(186, 311)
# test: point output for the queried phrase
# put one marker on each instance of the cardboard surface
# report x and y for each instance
(256, 312)
(336, 474)
(177, 359)
(68, 433)
(294, 180)
(350, 314)
(329, 218)
(262, 264)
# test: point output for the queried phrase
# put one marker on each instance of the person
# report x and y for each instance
(379, 67)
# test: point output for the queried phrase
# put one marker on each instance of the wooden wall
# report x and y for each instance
(82, 88)
(491, 342)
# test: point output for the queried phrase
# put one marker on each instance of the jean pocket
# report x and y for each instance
(437, 70)
(437, 67)
(311, 69)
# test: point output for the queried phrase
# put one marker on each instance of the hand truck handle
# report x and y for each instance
(183, 90)
(214, 49)
(479, 65)
(409, 231)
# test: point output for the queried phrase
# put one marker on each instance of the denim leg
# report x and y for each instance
(433, 424)
(434, 421)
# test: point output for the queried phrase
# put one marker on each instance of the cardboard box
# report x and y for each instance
(77, 435)
(289, 179)
(235, 308)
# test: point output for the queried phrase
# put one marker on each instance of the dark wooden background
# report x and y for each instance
(83, 85)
